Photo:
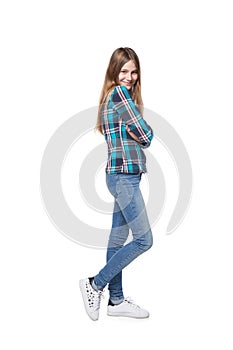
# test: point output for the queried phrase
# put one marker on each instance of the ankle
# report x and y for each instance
(116, 302)
(94, 286)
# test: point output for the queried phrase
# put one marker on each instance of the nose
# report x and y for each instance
(128, 76)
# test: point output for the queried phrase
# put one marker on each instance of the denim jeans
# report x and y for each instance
(129, 213)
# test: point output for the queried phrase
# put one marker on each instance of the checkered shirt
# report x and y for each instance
(125, 155)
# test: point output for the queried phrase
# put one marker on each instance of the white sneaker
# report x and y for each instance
(91, 298)
(127, 309)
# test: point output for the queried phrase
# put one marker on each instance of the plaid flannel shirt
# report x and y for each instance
(125, 155)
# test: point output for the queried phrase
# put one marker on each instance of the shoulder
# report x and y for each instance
(120, 93)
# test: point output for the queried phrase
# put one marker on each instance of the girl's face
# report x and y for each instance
(128, 75)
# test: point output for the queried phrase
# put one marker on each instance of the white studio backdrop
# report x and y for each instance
(53, 61)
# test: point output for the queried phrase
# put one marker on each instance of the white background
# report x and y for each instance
(53, 59)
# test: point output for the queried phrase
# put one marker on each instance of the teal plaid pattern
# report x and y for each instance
(125, 155)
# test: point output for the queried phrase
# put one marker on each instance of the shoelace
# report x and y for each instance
(131, 302)
(94, 297)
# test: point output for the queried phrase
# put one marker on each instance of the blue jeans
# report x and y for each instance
(129, 213)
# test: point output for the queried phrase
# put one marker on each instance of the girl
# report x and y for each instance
(126, 133)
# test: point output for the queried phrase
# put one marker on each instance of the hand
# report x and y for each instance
(132, 134)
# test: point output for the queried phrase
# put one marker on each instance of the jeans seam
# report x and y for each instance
(119, 266)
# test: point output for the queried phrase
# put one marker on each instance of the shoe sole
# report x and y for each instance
(125, 315)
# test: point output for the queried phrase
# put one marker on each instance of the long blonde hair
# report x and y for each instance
(118, 59)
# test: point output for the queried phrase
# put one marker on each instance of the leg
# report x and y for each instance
(129, 199)
(117, 238)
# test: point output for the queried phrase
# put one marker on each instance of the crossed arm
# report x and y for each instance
(136, 126)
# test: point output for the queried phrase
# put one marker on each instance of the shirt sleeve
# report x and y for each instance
(127, 109)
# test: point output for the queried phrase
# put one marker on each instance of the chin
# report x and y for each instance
(127, 87)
